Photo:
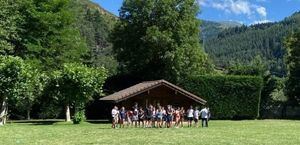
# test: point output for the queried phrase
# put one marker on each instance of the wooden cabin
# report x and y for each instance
(154, 92)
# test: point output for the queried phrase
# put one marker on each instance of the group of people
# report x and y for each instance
(158, 116)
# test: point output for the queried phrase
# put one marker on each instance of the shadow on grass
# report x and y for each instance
(99, 121)
(37, 122)
(55, 122)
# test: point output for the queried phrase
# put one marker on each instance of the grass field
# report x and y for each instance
(260, 132)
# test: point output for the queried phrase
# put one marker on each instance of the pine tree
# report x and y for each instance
(293, 61)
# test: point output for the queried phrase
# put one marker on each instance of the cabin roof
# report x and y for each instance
(146, 86)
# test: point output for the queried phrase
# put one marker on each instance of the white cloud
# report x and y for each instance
(231, 6)
(237, 7)
(261, 11)
(261, 22)
(219, 6)
(240, 7)
(202, 2)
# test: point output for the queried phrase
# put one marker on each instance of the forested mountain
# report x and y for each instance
(242, 44)
(210, 29)
(95, 25)
(226, 42)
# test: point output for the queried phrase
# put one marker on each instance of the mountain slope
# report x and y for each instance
(95, 24)
(226, 42)
(210, 29)
(242, 44)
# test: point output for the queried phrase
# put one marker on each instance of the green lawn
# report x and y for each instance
(271, 132)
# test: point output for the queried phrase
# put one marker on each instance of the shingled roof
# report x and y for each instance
(146, 86)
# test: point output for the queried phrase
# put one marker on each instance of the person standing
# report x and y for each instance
(153, 117)
(129, 115)
(177, 117)
(148, 114)
(164, 117)
(122, 117)
(190, 116)
(169, 116)
(208, 115)
(141, 117)
(115, 116)
(204, 117)
(159, 117)
(182, 114)
(196, 116)
(135, 117)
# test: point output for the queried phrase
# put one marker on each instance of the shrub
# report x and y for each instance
(79, 117)
(228, 97)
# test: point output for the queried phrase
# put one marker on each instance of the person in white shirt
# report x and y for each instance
(190, 115)
(115, 116)
(204, 117)
(196, 116)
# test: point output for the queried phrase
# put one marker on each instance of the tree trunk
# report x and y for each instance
(3, 112)
(283, 111)
(28, 114)
(68, 116)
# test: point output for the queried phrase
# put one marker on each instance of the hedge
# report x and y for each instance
(228, 97)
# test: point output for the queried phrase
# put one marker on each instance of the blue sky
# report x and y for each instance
(243, 11)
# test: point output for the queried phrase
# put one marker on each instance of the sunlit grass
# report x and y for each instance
(270, 132)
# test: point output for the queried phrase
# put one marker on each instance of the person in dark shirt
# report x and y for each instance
(141, 117)
(122, 117)
(169, 116)
(149, 116)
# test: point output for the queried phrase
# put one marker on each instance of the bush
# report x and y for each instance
(79, 117)
(228, 97)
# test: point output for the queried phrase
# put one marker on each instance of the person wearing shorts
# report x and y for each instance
(164, 117)
(148, 115)
(196, 116)
(141, 117)
(173, 115)
(177, 117)
(114, 115)
(159, 117)
(169, 116)
(182, 112)
(122, 117)
(129, 115)
(135, 117)
(190, 116)
(153, 117)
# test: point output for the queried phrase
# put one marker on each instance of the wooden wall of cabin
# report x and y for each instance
(161, 95)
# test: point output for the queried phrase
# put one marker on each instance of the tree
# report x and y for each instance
(50, 37)
(43, 33)
(159, 39)
(272, 94)
(75, 84)
(255, 68)
(10, 22)
(95, 27)
(293, 62)
(31, 87)
(11, 70)
(242, 44)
